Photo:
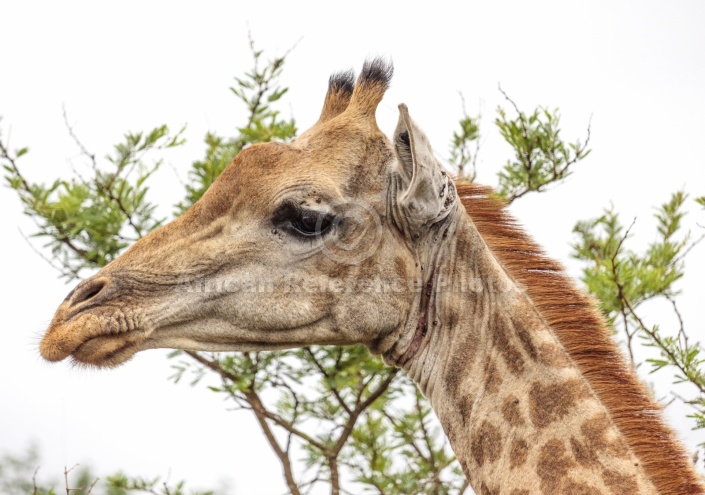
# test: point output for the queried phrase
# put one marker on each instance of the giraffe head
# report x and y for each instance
(310, 242)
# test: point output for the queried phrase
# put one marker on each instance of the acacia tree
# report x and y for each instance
(337, 416)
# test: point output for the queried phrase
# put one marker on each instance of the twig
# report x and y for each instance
(620, 292)
(6, 155)
(65, 268)
(260, 413)
(66, 479)
(84, 150)
(682, 336)
(255, 402)
(63, 236)
(333, 389)
(35, 489)
(674, 359)
(426, 436)
(557, 172)
(689, 248)
(347, 429)
(90, 488)
(528, 163)
(408, 436)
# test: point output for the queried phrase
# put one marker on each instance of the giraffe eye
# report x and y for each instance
(303, 222)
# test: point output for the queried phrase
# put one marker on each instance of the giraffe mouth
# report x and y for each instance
(90, 339)
(107, 351)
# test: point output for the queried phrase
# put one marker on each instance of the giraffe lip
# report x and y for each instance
(107, 350)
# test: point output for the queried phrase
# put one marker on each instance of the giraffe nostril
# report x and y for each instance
(87, 290)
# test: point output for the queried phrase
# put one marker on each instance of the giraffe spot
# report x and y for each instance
(554, 356)
(553, 465)
(511, 355)
(484, 490)
(579, 488)
(552, 402)
(586, 456)
(518, 491)
(465, 408)
(596, 432)
(460, 363)
(511, 412)
(452, 318)
(486, 444)
(618, 483)
(492, 378)
(454, 375)
(525, 338)
(518, 453)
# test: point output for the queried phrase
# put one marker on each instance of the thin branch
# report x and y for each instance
(66, 479)
(650, 332)
(107, 188)
(408, 436)
(689, 248)
(347, 429)
(63, 236)
(35, 489)
(426, 436)
(620, 292)
(255, 402)
(90, 488)
(528, 163)
(630, 335)
(307, 486)
(65, 267)
(682, 336)
(6, 155)
(557, 173)
(664, 348)
(691, 403)
(84, 150)
(333, 389)
(261, 414)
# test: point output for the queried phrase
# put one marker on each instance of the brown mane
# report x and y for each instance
(583, 332)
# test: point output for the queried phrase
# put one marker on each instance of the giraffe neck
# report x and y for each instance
(519, 415)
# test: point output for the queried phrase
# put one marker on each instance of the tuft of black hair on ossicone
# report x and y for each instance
(376, 71)
(342, 82)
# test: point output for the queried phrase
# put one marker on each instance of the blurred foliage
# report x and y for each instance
(337, 416)
(19, 475)
(17, 472)
(120, 484)
(462, 154)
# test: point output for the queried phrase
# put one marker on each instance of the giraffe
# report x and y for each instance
(516, 362)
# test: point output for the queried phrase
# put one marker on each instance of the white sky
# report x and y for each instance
(637, 68)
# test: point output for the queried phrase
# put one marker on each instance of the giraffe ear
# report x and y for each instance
(340, 89)
(427, 193)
